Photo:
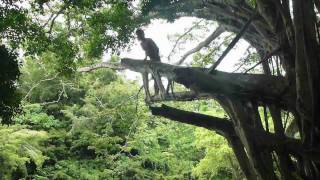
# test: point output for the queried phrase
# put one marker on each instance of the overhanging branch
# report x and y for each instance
(257, 87)
(115, 66)
(225, 128)
(182, 96)
(221, 126)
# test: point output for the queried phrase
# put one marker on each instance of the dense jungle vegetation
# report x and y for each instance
(96, 126)
(65, 114)
(67, 125)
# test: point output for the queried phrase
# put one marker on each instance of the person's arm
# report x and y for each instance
(144, 45)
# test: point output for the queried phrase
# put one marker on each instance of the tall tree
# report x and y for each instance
(275, 32)
(283, 31)
(280, 31)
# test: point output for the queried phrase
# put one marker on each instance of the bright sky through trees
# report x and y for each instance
(160, 30)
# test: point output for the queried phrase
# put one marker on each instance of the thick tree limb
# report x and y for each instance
(225, 128)
(202, 44)
(182, 96)
(258, 87)
(221, 126)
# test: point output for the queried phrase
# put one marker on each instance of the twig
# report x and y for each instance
(137, 98)
(63, 91)
(244, 59)
(38, 83)
(264, 59)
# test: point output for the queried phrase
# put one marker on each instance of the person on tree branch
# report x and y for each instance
(151, 51)
(149, 46)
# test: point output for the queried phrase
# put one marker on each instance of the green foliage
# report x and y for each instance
(38, 82)
(168, 13)
(64, 53)
(166, 148)
(16, 26)
(203, 60)
(205, 57)
(250, 59)
(61, 36)
(9, 73)
(20, 151)
(35, 117)
(12, 22)
(218, 158)
(109, 28)
(102, 135)
(252, 3)
(71, 169)
(96, 125)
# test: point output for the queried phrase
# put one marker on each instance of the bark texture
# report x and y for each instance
(291, 29)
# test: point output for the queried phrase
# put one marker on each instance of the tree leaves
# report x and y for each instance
(9, 73)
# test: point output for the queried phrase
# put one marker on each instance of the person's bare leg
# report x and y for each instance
(159, 84)
(156, 88)
(146, 86)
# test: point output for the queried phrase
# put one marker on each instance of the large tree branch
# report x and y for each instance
(221, 126)
(257, 87)
(230, 15)
(182, 96)
(225, 128)
(115, 66)
(202, 44)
